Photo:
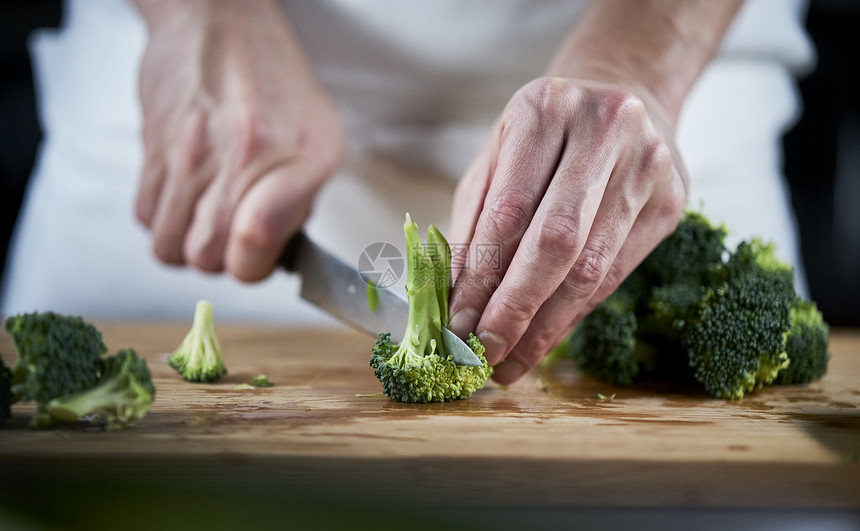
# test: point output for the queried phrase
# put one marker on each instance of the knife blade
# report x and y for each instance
(338, 288)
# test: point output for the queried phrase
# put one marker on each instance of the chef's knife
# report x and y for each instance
(340, 290)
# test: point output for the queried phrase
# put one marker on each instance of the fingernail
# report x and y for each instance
(495, 345)
(464, 322)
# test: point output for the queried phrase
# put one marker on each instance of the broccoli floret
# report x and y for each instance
(261, 381)
(5, 393)
(198, 357)
(58, 355)
(736, 339)
(123, 395)
(604, 343)
(637, 329)
(419, 369)
(806, 345)
(690, 254)
(695, 309)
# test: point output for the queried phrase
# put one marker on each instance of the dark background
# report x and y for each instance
(822, 153)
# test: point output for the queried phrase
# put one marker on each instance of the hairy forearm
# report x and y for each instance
(659, 46)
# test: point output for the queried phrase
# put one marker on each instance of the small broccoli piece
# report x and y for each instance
(5, 393)
(123, 395)
(806, 345)
(603, 345)
(261, 381)
(419, 369)
(736, 339)
(198, 357)
(58, 355)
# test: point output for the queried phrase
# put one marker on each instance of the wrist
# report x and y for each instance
(656, 50)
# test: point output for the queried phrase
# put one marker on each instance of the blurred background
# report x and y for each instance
(822, 152)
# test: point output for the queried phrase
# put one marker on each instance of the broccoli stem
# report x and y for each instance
(424, 281)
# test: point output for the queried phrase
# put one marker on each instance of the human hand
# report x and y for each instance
(238, 135)
(577, 183)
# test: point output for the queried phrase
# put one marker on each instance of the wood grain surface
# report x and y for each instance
(548, 440)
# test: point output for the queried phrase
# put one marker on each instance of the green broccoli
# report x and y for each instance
(261, 381)
(636, 331)
(419, 369)
(693, 309)
(198, 357)
(604, 344)
(690, 254)
(123, 395)
(5, 392)
(58, 355)
(806, 345)
(736, 337)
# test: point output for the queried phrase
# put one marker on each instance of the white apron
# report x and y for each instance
(418, 84)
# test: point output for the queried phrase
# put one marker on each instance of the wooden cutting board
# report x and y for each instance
(547, 440)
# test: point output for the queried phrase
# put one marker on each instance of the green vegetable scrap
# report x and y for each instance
(123, 395)
(419, 369)
(261, 381)
(198, 357)
(60, 367)
(696, 310)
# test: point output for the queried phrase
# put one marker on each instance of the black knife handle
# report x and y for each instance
(290, 257)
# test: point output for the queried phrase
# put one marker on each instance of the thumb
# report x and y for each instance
(267, 216)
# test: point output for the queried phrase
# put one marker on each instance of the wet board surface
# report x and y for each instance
(549, 440)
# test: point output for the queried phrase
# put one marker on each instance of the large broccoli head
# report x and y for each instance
(695, 309)
(419, 369)
(58, 355)
(123, 395)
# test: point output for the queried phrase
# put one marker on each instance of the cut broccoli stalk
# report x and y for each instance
(123, 395)
(419, 369)
(198, 357)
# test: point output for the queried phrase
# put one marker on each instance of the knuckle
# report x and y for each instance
(589, 270)
(545, 96)
(558, 236)
(656, 158)
(251, 134)
(515, 312)
(539, 341)
(507, 216)
(621, 109)
(257, 232)
(205, 253)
